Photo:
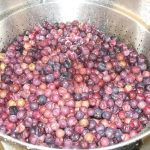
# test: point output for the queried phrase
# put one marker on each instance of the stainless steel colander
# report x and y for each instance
(127, 19)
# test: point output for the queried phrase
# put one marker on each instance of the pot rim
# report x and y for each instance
(39, 147)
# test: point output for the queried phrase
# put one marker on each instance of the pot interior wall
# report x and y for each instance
(105, 18)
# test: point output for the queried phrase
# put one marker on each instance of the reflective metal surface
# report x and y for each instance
(129, 20)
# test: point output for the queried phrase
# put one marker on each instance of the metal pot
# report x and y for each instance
(129, 20)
